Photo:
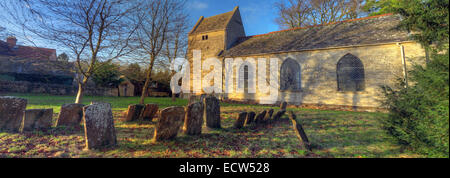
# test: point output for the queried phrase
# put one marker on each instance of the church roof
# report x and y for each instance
(213, 23)
(363, 31)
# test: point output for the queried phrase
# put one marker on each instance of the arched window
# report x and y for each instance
(243, 76)
(290, 77)
(350, 74)
(246, 79)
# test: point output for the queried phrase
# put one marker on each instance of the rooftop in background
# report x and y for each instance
(362, 31)
(10, 48)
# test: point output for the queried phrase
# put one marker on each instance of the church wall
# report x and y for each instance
(382, 66)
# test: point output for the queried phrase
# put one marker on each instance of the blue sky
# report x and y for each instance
(258, 15)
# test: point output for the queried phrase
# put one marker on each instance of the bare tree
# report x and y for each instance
(91, 30)
(2, 32)
(294, 13)
(176, 44)
(298, 13)
(154, 25)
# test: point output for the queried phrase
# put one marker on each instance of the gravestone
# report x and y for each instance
(36, 119)
(212, 112)
(239, 123)
(283, 105)
(99, 131)
(203, 96)
(298, 129)
(170, 121)
(250, 118)
(278, 115)
(193, 121)
(149, 112)
(134, 112)
(11, 112)
(259, 119)
(70, 115)
(268, 116)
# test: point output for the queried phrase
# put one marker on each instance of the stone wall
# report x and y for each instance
(52, 89)
(382, 66)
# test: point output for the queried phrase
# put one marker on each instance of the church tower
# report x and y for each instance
(213, 36)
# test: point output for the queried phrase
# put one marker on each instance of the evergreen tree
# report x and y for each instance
(419, 114)
(107, 75)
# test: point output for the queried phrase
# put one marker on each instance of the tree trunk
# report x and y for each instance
(147, 81)
(173, 94)
(145, 88)
(79, 98)
(173, 97)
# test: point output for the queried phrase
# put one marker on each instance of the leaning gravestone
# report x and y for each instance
(36, 119)
(203, 96)
(260, 117)
(11, 112)
(134, 112)
(239, 123)
(70, 115)
(99, 128)
(212, 111)
(170, 121)
(149, 112)
(298, 129)
(268, 116)
(193, 121)
(283, 105)
(278, 115)
(250, 118)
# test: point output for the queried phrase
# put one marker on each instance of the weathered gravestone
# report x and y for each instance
(11, 112)
(70, 115)
(149, 112)
(212, 111)
(203, 96)
(283, 105)
(268, 116)
(250, 118)
(239, 123)
(99, 128)
(278, 115)
(134, 112)
(170, 121)
(193, 121)
(36, 119)
(259, 119)
(298, 129)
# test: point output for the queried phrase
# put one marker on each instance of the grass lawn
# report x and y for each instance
(334, 134)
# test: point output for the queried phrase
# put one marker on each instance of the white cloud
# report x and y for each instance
(198, 5)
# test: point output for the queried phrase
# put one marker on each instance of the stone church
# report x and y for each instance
(338, 64)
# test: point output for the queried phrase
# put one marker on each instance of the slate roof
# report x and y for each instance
(363, 31)
(217, 22)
